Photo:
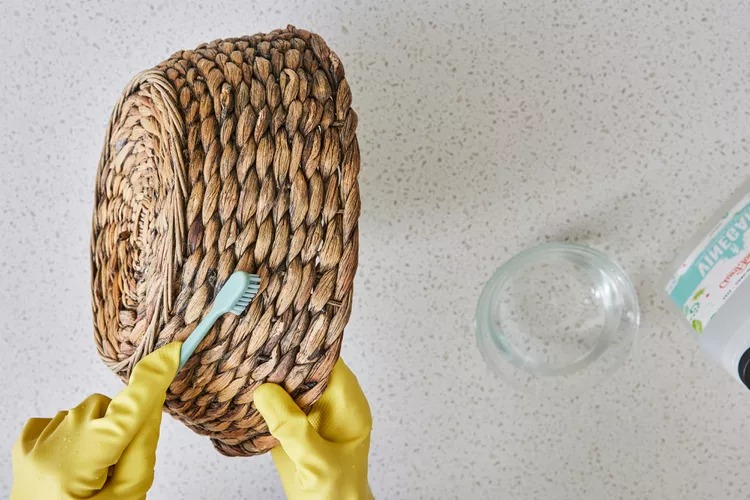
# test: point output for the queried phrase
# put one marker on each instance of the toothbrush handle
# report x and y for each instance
(195, 338)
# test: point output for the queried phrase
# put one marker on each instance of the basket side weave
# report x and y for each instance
(238, 155)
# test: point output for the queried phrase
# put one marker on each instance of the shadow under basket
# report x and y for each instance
(238, 155)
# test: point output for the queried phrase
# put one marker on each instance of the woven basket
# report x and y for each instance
(238, 155)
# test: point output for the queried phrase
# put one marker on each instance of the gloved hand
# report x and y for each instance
(322, 455)
(102, 448)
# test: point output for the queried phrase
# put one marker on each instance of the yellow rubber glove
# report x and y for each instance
(102, 448)
(322, 455)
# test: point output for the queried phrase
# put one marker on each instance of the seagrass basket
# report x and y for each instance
(238, 155)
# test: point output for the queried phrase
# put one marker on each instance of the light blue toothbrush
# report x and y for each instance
(234, 297)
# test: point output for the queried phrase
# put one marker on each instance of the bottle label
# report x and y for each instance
(715, 269)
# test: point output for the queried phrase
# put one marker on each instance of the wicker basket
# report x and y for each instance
(238, 155)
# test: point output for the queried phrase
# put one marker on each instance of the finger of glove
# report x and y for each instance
(68, 445)
(342, 413)
(134, 472)
(49, 430)
(91, 408)
(31, 432)
(289, 424)
(129, 410)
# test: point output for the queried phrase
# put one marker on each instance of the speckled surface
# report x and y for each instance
(484, 129)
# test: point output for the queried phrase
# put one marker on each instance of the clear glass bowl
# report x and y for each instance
(557, 319)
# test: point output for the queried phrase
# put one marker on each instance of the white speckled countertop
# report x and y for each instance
(484, 129)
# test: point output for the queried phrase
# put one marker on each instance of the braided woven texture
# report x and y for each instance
(238, 155)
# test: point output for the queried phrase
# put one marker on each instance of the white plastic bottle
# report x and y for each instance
(707, 283)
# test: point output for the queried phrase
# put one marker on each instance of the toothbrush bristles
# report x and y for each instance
(248, 295)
